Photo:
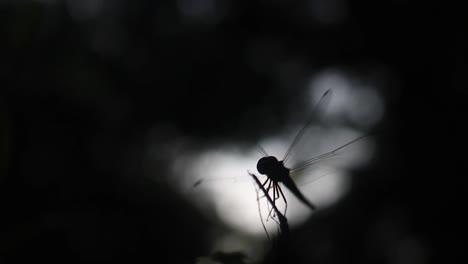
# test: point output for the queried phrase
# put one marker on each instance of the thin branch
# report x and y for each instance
(283, 222)
(260, 213)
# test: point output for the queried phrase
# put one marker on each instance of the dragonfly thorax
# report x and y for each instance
(273, 168)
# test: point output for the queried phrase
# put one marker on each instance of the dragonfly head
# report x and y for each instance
(267, 165)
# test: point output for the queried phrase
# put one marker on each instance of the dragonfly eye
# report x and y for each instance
(267, 164)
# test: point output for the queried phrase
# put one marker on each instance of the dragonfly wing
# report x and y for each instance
(305, 164)
(318, 108)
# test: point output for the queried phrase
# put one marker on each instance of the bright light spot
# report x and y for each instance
(225, 186)
(340, 86)
(351, 99)
(366, 107)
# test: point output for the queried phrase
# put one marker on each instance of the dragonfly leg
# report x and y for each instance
(269, 186)
(278, 194)
(274, 193)
(271, 214)
(264, 183)
(274, 196)
(266, 180)
(284, 198)
(270, 182)
(267, 189)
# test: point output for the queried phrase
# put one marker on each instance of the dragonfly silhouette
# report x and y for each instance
(277, 171)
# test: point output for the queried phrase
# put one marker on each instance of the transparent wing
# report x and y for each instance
(307, 163)
(318, 108)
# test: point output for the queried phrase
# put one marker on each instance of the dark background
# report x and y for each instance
(81, 89)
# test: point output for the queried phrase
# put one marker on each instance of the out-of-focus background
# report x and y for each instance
(127, 129)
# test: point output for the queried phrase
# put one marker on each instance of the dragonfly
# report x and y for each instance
(278, 173)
